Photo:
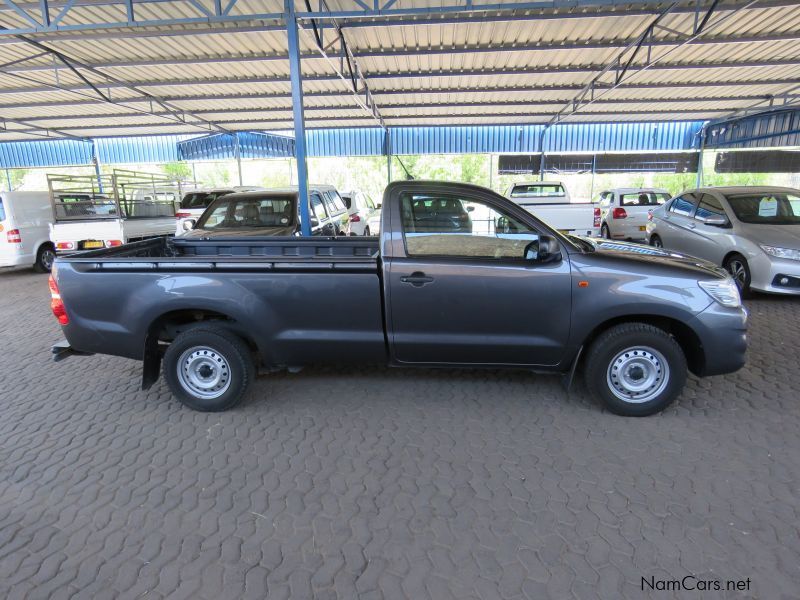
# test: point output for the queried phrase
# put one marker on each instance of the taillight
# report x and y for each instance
(113, 243)
(649, 215)
(619, 213)
(355, 219)
(597, 217)
(182, 215)
(56, 303)
(14, 236)
(65, 246)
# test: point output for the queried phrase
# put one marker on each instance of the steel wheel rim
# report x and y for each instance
(638, 374)
(738, 272)
(204, 372)
(48, 257)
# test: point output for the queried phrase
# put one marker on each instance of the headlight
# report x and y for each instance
(723, 291)
(789, 253)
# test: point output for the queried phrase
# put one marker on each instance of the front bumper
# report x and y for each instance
(767, 273)
(723, 337)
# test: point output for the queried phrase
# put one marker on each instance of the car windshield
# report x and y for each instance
(201, 199)
(251, 212)
(537, 190)
(643, 199)
(773, 208)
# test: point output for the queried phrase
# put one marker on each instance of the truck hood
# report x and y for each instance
(655, 256)
(782, 236)
(238, 232)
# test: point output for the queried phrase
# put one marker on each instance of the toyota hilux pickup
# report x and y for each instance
(460, 277)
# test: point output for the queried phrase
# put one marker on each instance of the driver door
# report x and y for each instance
(464, 292)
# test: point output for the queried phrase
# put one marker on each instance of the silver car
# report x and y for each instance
(753, 232)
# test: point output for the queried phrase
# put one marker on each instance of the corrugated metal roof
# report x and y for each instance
(223, 146)
(780, 128)
(48, 153)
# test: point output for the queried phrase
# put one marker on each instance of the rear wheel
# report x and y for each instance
(366, 231)
(656, 242)
(44, 258)
(604, 232)
(737, 266)
(208, 368)
(635, 369)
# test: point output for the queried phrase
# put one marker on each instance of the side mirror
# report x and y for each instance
(470, 208)
(189, 224)
(715, 221)
(544, 250)
(378, 205)
(314, 222)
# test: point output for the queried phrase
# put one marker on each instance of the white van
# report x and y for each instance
(25, 219)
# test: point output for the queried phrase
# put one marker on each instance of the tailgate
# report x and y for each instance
(85, 235)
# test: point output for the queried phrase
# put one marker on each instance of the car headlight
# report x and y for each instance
(789, 253)
(723, 291)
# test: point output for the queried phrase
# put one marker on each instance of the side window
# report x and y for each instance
(606, 198)
(683, 205)
(370, 204)
(348, 201)
(454, 226)
(316, 206)
(338, 202)
(709, 206)
(329, 203)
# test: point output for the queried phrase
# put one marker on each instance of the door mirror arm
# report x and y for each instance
(544, 251)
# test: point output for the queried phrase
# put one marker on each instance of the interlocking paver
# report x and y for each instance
(376, 483)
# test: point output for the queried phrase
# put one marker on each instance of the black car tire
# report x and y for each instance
(366, 231)
(604, 232)
(736, 265)
(222, 353)
(656, 242)
(44, 258)
(618, 347)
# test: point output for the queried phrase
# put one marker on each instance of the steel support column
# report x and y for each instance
(96, 163)
(699, 181)
(8, 180)
(296, 77)
(387, 149)
(237, 151)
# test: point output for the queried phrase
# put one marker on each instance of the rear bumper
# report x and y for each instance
(723, 336)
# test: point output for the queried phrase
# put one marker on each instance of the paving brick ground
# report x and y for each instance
(377, 483)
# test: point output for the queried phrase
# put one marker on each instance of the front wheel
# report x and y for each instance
(635, 369)
(208, 368)
(737, 266)
(656, 242)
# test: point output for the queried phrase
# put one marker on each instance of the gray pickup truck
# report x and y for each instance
(460, 277)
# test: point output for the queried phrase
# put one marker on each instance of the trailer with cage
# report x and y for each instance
(102, 212)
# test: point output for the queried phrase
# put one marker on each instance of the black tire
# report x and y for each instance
(656, 242)
(737, 266)
(604, 232)
(617, 348)
(366, 231)
(44, 258)
(226, 358)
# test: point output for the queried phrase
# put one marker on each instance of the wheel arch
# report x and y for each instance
(684, 335)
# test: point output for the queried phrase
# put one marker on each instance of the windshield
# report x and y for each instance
(771, 208)
(2, 211)
(537, 190)
(201, 199)
(272, 211)
(643, 199)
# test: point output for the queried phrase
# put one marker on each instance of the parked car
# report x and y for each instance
(270, 213)
(753, 232)
(118, 208)
(550, 201)
(624, 211)
(508, 292)
(195, 202)
(25, 219)
(365, 215)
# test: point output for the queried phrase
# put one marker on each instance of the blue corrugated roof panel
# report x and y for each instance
(47, 153)
(366, 141)
(144, 149)
(265, 145)
(771, 130)
(222, 146)
(466, 140)
(622, 137)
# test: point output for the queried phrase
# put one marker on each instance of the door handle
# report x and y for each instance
(417, 279)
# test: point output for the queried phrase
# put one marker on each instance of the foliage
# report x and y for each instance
(177, 170)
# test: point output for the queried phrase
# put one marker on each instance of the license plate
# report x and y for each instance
(92, 244)
(642, 228)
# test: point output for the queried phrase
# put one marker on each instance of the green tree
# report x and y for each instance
(177, 170)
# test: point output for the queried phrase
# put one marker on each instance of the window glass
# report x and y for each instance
(274, 211)
(316, 206)
(329, 204)
(370, 203)
(682, 205)
(201, 199)
(605, 198)
(537, 190)
(443, 225)
(338, 202)
(709, 206)
(348, 201)
(2, 211)
(771, 208)
(643, 199)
